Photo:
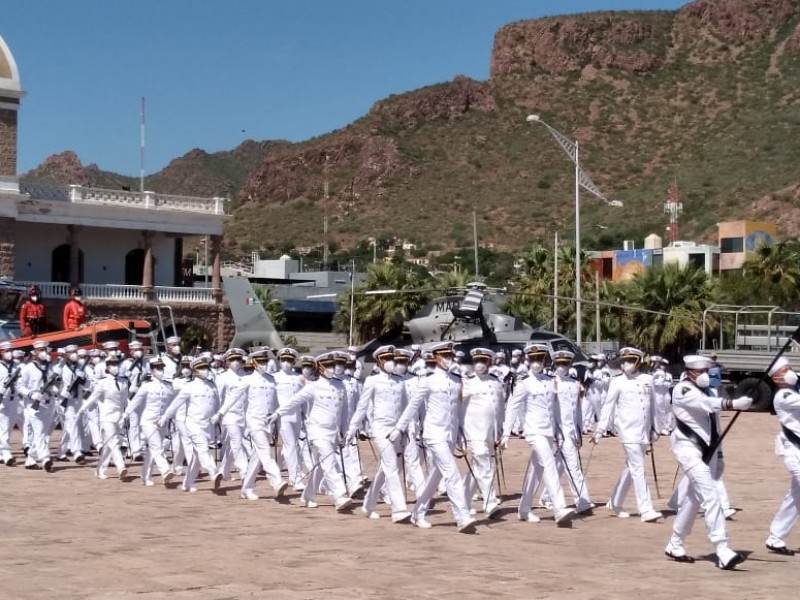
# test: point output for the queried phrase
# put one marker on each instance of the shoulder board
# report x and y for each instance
(685, 389)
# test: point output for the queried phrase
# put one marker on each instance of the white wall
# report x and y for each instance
(104, 253)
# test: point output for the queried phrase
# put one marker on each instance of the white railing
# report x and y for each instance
(147, 200)
(124, 293)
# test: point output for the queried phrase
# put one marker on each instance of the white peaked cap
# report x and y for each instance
(695, 361)
(779, 364)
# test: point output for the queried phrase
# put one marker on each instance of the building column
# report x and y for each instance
(8, 243)
(147, 272)
(74, 254)
(216, 273)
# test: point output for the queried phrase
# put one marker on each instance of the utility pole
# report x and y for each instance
(325, 229)
(141, 152)
(555, 284)
(475, 240)
(352, 303)
(597, 309)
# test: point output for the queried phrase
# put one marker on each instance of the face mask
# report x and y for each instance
(307, 372)
(73, 357)
(43, 355)
(338, 370)
(481, 368)
(158, 373)
(95, 360)
(702, 380)
(562, 371)
(514, 362)
(78, 298)
(287, 366)
(6, 356)
(536, 366)
(34, 298)
(327, 373)
(388, 366)
(113, 369)
(430, 368)
(137, 354)
(175, 350)
(261, 367)
(790, 378)
(235, 364)
(446, 362)
(201, 373)
(628, 368)
(81, 361)
(348, 371)
(186, 371)
(401, 368)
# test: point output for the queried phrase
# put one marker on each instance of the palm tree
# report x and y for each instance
(272, 306)
(776, 268)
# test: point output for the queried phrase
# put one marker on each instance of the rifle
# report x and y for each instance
(11, 379)
(46, 383)
(76, 380)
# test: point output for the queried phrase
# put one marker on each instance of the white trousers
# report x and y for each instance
(180, 444)
(663, 416)
(633, 472)
(443, 467)
(262, 457)
(292, 447)
(786, 517)
(327, 470)
(412, 454)
(110, 450)
(541, 468)
(153, 451)
(233, 452)
(92, 421)
(387, 477)
(135, 432)
(198, 453)
(483, 468)
(41, 422)
(701, 491)
(71, 434)
(9, 414)
(717, 471)
(570, 465)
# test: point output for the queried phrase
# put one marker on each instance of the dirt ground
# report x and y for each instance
(69, 535)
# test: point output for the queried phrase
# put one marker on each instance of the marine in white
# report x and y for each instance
(694, 442)
(233, 420)
(149, 402)
(439, 392)
(38, 385)
(631, 401)
(412, 459)
(533, 402)
(71, 394)
(288, 383)
(384, 394)
(9, 401)
(483, 401)
(350, 453)
(787, 446)
(662, 382)
(134, 369)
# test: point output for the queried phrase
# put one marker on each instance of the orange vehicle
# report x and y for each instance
(93, 335)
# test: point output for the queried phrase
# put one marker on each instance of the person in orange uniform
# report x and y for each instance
(74, 310)
(32, 314)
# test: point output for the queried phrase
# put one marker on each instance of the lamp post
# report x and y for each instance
(581, 180)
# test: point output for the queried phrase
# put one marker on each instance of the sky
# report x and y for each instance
(215, 73)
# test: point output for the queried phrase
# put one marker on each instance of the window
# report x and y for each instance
(697, 260)
(731, 245)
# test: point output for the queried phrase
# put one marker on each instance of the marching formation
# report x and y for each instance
(268, 412)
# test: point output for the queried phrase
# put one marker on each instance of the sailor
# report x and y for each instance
(483, 406)
(384, 394)
(200, 399)
(569, 425)
(110, 394)
(172, 359)
(415, 476)
(255, 397)
(694, 443)
(71, 394)
(90, 418)
(787, 446)
(32, 313)
(233, 421)
(150, 401)
(288, 383)
(325, 404)
(179, 435)
(38, 385)
(352, 460)
(134, 369)
(74, 315)
(596, 393)
(417, 364)
(9, 401)
(662, 382)
(533, 403)
(631, 403)
(438, 393)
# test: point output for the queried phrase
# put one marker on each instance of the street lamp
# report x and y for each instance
(582, 180)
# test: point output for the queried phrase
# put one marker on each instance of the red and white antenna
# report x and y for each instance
(141, 150)
(673, 207)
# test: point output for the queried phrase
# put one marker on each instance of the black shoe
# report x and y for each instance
(80, 459)
(11, 462)
(48, 465)
(25, 450)
(62, 459)
(684, 558)
(69, 453)
(780, 550)
(138, 458)
(737, 559)
(33, 467)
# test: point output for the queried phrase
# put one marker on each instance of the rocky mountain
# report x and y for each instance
(707, 96)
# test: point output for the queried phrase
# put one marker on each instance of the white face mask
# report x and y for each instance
(95, 360)
(446, 362)
(235, 364)
(327, 373)
(388, 366)
(137, 354)
(307, 372)
(287, 366)
(481, 368)
(6, 356)
(401, 368)
(34, 298)
(201, 373)
(562, 371)
(78, 298)
(790, 378)
(186, 371)
(73, 357)
(81, 361)
(536, 366)
(348, 371)
(112, 369)
(338, 370)
(514, 361)
(628, 368)
(175, 350)
(261, 367)
(43, 355)
(430, 368)
(702, 380)
(158, 373)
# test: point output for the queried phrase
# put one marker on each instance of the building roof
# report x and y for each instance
(10, 85)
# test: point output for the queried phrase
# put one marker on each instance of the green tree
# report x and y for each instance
(776, 269)
(272, 306)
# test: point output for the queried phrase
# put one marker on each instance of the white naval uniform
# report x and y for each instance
(179, 436)
(352, 461)
(695, 411)
(533, 401)
(73, 380)
(482, 402)
(134, 370)
(149, 402)
(199, 397)
(234, 451)
(662, 381)
(787, 408)
(110, 394)
(631, 400)
(41, 406)
(256, 397)
(325, 402)
(385, 397)
(415, 476)
(9, 405)
(439, 393)
(596, 396)
(292, 450)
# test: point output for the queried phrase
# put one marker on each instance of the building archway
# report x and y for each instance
(134, 267)
(59, 264)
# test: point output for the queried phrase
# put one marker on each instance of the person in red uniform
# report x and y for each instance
(32, 314)
(74, 310)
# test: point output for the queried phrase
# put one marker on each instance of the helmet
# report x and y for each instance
(34, 291)
(75, 291)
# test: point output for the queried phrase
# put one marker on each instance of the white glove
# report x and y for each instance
(121, 422)
(597, 437)
(81, 411)
(215, 418)
(351, 435)
(394, 435)
(161, 422)
(35, 396)
(272, 419)
(743, 403)
(503, 443)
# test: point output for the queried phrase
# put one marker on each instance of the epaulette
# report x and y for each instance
(685, 389)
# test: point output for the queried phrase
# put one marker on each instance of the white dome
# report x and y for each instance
(285, 257)
(10, 84)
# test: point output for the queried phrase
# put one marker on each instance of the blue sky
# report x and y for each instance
(216, 73)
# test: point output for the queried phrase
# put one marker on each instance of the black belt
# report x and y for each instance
(791, 436)
(707, 450)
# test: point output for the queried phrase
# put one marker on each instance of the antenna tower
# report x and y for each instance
(673, 207)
